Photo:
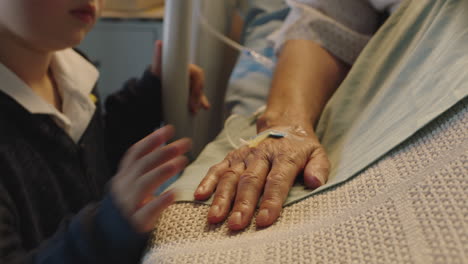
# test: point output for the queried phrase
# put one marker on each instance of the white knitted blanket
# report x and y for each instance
(409, 207)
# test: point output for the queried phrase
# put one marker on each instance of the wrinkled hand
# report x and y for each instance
(197, 98)
(269, 169)
(145, 167)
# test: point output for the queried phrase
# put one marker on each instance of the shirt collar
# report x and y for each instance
(75, 78)
(71, 71)
(74, 71)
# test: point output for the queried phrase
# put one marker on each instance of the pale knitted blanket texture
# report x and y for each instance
(408, 207)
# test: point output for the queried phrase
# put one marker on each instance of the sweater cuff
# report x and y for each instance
(101, 234)
(118, 240)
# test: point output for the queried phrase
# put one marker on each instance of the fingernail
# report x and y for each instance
(199, 190)
(320, 178)
(214, 211)
(264, 215)
(236, 218)
(315, 182)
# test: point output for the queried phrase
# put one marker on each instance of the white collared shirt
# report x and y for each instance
(75, 78)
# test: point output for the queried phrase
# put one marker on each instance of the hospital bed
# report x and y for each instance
(406, 206)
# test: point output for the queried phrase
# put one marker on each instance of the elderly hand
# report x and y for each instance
(197, 98)
(268, 169)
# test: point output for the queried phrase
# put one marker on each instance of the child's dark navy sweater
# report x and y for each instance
(54, 207)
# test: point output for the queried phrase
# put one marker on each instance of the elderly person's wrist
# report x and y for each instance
(271, 119)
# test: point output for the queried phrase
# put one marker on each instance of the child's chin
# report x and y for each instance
(73, 40)
(63, 44)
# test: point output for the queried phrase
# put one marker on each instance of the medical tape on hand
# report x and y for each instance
(253, 142)
(294, 132)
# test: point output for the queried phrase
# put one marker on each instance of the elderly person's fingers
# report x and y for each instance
(208, 185)
(225, 193)
(249, 189)
(277, 186)
(270, 169)
(317, 169)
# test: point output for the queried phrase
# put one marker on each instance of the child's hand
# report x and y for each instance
(197, 98)
(146, 166)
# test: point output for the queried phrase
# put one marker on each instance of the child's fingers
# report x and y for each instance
(146, 145)
(145, 201)
(156, 67)
(132, 185)
(160, 156)
(199, 102)
(148, 183)
(146, 217)
(205, 102)
(197, 78)
(197, 81)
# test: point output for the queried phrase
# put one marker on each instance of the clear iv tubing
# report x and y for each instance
(256, 56)
(229, 121)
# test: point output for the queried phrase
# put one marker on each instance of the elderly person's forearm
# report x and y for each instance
(305, 78)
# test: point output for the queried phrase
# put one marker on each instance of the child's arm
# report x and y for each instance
(113, 231)
(93, 236)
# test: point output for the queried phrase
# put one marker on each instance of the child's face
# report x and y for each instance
(48, 25)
